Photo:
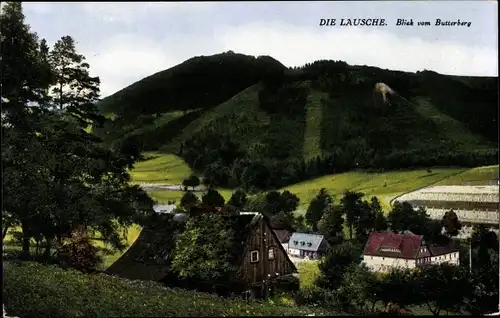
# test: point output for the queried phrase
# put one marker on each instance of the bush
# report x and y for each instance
(36, 290)
(287, 283)
(80, 253)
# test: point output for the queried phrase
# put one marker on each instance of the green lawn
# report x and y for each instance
(384, 185)
(161, 168)
(474, 176)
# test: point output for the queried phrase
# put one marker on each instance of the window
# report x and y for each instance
(254, 256)
(271, 253)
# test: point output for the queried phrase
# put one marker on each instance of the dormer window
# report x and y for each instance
(295, 242)
(302, 243)
(309, 244)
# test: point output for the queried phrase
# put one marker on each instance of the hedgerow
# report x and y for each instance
(37, 290)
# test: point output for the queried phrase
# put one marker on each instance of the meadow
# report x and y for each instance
(168, 168)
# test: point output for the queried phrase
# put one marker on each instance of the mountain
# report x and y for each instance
(252, 122)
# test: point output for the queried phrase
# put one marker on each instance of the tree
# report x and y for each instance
(283, 221)
(194, 181)
(202, 250)
(404, 217)
(213, 199)
(334, 265)
(331, 225)
(442, 287)
(451, 223)
(238, 199)
(353, 208)
(290, 201)
(380, 223)
(188, 200)
(398, 286)
(273, 203)
(317, 207)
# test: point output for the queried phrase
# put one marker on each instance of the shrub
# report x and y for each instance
(287, 283)
(79, 252)
(37, 290)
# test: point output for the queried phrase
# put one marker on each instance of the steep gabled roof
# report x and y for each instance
(306, 241)
(392, 244)
(283, 235)
(402, 245)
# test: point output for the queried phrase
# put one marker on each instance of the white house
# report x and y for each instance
(167, 208)
(312, 246)
(385, 250)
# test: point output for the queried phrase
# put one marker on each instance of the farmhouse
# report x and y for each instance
(385, 250)
(304, 245)
(257, 251)
(166, 208)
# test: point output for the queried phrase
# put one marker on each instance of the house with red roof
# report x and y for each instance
(385, 250)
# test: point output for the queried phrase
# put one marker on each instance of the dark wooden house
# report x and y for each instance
(257, 251)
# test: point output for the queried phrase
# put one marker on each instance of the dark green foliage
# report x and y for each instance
(331, 224)
(335, 264)
(213, 199)
(317, 208)
(238, 199)
(451, 223)
(441, 287)
(203, 250)
(56, 175)
(188, 200)
(58, 293)
(353, 209)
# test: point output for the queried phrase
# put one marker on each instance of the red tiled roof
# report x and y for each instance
(407, 244)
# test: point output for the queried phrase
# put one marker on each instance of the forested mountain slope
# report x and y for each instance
(252, 122)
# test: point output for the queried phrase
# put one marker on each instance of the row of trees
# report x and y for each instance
(56, 175)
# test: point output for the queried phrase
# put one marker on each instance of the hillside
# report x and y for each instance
(246, 121)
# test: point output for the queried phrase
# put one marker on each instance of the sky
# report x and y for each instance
(127, 41)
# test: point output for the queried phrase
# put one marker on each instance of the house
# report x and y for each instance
(304, 245)
(385, 250)
(283, 236)
(167, 208)
(257, 251)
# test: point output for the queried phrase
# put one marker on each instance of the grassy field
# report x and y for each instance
(167, 168)
(474, 176)
(160, 168)
(384, 185)
(314, 116)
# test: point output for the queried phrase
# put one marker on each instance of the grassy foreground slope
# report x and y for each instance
(54, 292)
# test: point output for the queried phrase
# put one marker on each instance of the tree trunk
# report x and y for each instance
(25, 254)
(5, 229)
(48, 247)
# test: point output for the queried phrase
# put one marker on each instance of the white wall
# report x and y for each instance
(382, 264)
(452, 258)
(294, 251)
